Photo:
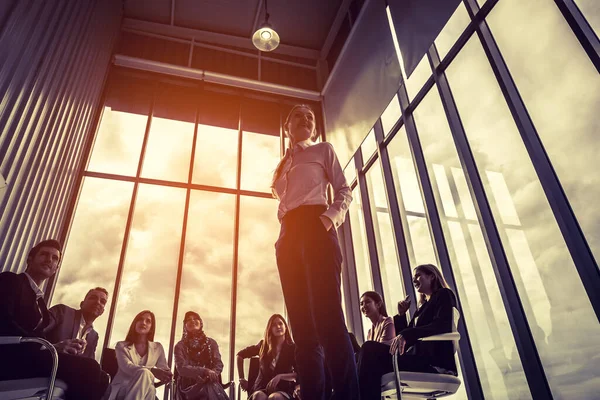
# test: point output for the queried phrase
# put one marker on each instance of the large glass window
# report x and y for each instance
(452, 30)
(549, 286)
(561, 90)
(360, 247)
(495, 353)
(391, 115)
(260, 156)
(422, 72)
(121, 131)
(150, 269)
(591, 11)
(410, 201)
(207, 264)
(215, 161)
(92, 252)
(216, 153)
(359, 242)
(417, 79)
(369, 145)
(259, 288)
(169, 145)
(384, 236)
(188, 129)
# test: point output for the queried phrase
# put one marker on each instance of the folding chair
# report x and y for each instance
(33, 388)
(422, 385)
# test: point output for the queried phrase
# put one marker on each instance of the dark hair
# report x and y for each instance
(45, 243)
(287, 120)
(190, 313)
(267, 345)
(132, 334)
(376, 297)
(97, 289)
(437, 283)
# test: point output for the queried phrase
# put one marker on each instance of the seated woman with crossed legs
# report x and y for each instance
(434, 316)
(275, 380)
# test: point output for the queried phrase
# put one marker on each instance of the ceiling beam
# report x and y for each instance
(213, 37)
(214, 77)
(335, 28)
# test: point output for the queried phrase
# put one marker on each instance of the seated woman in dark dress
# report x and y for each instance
(434, 316)
(276, 376)
(198, 363)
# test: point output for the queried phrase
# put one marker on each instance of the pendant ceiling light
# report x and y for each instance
(265, 38)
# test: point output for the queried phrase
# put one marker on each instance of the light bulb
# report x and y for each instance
(265, 38)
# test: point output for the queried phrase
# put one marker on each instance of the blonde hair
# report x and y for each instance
(314, 137)
(438, 282)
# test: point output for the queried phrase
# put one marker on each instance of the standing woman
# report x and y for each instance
(140, 360)
(276, 374)
(198, 363)
(309, 257)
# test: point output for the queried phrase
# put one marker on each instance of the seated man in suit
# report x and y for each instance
(69, 323)
(23, 312)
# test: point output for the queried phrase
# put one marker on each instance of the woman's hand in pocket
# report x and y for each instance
(326, 222)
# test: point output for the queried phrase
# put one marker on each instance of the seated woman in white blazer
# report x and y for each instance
(140, 360)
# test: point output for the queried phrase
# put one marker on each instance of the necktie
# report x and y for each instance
(43, 322)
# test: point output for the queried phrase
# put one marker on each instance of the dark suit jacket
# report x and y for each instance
(285, 364)
(65, 325)
(19, 311)
(433, 318)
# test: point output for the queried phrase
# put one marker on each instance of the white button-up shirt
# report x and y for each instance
(84, 328)
(39, 293)
(307, 171)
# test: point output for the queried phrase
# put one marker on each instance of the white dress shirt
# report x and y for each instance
(308, 170)
(84, 328)
(39, 294)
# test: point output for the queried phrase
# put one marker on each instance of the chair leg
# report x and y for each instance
(397, 374)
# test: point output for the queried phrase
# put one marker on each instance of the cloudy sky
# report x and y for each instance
(561, 90)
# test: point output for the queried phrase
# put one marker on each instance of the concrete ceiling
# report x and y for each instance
(300, 23)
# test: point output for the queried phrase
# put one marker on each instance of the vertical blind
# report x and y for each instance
(54, 56)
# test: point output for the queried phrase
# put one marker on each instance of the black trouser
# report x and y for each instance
(375, 360)
(309, 261)
(83, 376)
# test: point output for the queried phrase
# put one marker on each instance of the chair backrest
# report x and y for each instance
(455, 319)
(109, 362)
(453, 336)
(253, 371)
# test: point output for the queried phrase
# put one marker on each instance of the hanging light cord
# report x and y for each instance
(266, 12)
